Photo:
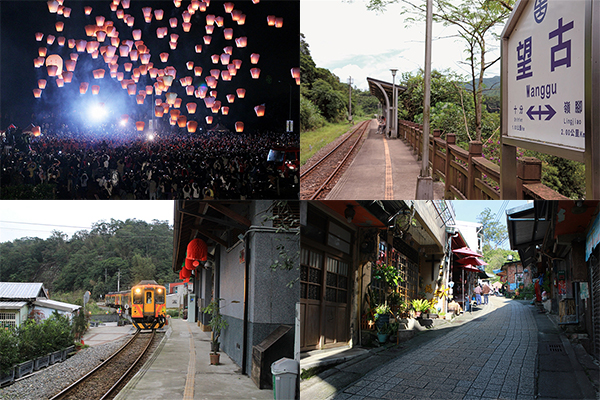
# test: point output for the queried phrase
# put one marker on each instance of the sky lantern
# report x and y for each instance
(173, 22)
(213, 93)
(145, 58)
(53, 6)
(120, 76)
(71, 43)
(239, 126)
(136, 73)
(295, 72)
(198, 48)
(66, 12)
(36, 131)
(214, 58)
(131, 89)
(95, 89)
(90, 30)
(202, 90)
(38, 62)
(39, 36)
(133, 55)
(125, 4)
(197, 71)
(278, 22)
(228, 50)
(139, 125)
(174, 114)
(101, 36)
(209, 29)
(55, 60)
(68, 76)
(164, 57)
(242, 41)
(255, 1)
(99, 73)
(186, 16)
(42, 83)
(168, 78)
(147, 11)
(242, 19)
(171, 97)
(42, 51)
(61, 41)
(81, 45)
(87, 10)
(228, 7)
(174, 37)
(237, 63)
(139, 99)
(113, 7)
(216, 107)
(191, 127)
(100, 20)
(232, 70)
(228, 33)
(149, 89)
(110, 51)
(177, 102)
(230, 98)
(225, 58)
(241, 93)
(124, 119)
(59, 26)
(37, 93)
(186, 26)
(158, 14)
(209, 119)
(189, 90)
(210, 19)
(255, 72)
(254, 57)
(137, 34)
(50, 39)
(130, 21)
(159, 111)
(224, 110)
(191, 107)
(60, 82)
(225, 75)
(209, 102)
(260, 110)
(235, 15)
(271, 20)
(128, 67)
(173, 122)
(181, 121)
(202, 6)
(215, 73)
(207, 39)
(219, 21)
(173, 45)
(83, 87)
(123, 50)
(115, 41)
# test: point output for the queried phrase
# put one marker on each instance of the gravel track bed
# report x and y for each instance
(311, 182)
(51, 380)
(95, 386)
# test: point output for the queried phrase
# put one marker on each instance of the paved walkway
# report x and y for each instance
(106, 333)
(181, 369)
(492, 357)
(384, 169)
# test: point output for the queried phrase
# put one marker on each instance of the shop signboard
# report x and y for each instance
(545, 77)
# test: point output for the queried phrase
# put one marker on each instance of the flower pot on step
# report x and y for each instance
(214, 358)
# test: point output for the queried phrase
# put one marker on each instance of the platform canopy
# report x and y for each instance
(383, 90)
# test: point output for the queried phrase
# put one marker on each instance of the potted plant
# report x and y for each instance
(420, 306)
(382, 315)
(217, 324)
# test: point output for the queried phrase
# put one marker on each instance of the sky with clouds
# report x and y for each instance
(349, 40)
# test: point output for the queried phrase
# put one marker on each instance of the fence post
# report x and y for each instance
(434, 157)
(450, 141)
(475, 148)
(529, 170)
(419, 144)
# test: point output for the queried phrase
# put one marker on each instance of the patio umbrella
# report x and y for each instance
(471, 261)
(465, 251)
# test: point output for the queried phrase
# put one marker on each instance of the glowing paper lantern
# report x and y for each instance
(187, 26)
(219, 21)
(186, 16)
(210, 19)
(42, 83)
(295, 72)
(66, 12)
(239, 126)
(59, 26)
(177, 103)
(171, 97)
(83, 87)
(173, 22)
(228, 33)
(53, 6)
(228, 50)
(225, 75)
(278, 22)
(225, 58)
(42, 51)
(181, 121)
(100, 20)
(175, 114)
(139, 125)
(159, 111)
(255, 72)
(173, 45)
(124, 119)
(271, 20)
(192, 126)
(237, 63)
(125, 4)
(209, 29)
(37, 93)
(52, 70)
(68, 76)
(230, 98)
(197, 71)
(241, 93)
(50, 39)
(101, 35)
(215, 73)
(198, 48)
(99, 73)
(254, 58)
(145, 58)
(139, 99)
(191, 107)
(209, 102)
(60, 82)
(36, 131)
(158, 14)
(39, 36)
(209, 119)
(241, 41)
(242, 19)
(235, 15)
(225, 110)
(61, 41)
(207, 39)
(259, 110)
(131, 89)
(228, 7)
(95, 89)
(137, 34)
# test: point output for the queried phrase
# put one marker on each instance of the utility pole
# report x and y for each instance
(350, 82)
(424, 181)
(119, 280)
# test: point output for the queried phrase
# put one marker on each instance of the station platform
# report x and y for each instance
(180, 368)
(384, 169)
(106, 332)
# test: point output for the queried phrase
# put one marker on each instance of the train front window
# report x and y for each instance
(160, 296)
(138, 296)
(148, 297)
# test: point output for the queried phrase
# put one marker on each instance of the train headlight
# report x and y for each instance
(138, 291)
(159, 290)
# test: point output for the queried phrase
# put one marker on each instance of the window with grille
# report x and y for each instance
(311, 272)
(8, 319)
(337, 281)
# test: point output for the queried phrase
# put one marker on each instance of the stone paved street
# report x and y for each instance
(492, 357)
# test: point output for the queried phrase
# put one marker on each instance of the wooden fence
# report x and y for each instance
(467, 174)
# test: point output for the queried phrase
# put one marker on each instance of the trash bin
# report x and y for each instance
(285, 375)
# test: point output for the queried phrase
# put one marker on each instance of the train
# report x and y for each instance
(145, 304)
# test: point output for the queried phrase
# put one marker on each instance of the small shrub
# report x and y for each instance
(9, 349)
(173, 313)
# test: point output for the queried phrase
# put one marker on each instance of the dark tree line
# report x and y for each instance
(92, 260)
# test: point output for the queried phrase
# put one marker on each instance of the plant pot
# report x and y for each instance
(214, 358)
(382, 337)
(56, 357)
(7, 378)
(382, 320)
(42, 362)
(417, 314)
(23, 369)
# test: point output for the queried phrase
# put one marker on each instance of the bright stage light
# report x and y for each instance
(97, 112)
(123, 122)
(150, 137)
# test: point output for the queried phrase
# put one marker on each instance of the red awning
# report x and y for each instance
(465, 251)
(471, 261)
(470, 268)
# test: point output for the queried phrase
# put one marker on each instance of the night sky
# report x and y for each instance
(278, 49)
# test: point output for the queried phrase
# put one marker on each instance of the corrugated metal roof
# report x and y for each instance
(58, 305)
(12, 305)
(21, 290)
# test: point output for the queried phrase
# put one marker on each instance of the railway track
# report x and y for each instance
(317, 180)
(103, 381)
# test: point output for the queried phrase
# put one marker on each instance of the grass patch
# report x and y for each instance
(313, 141)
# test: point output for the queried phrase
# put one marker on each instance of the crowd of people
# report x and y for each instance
(112, 163)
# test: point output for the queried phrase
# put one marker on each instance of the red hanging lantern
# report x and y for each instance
(196, 252)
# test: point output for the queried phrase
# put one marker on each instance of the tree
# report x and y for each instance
(142, 268)
(330, 102)
(494, 233)
(476, 21)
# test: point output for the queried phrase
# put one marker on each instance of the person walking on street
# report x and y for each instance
(486, 293)
(477, 292)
